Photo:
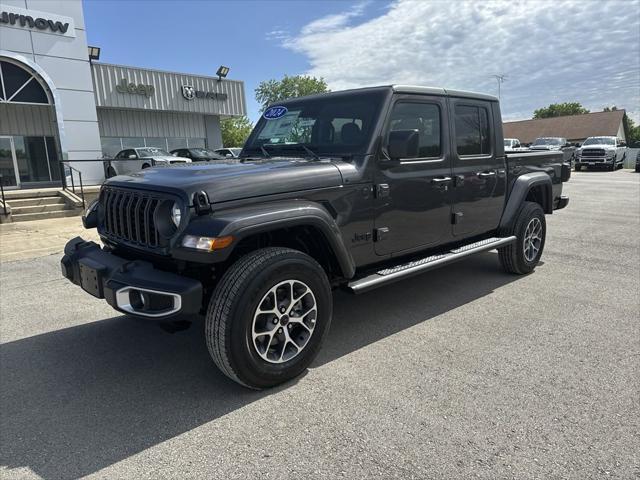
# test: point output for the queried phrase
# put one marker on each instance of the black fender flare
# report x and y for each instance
(521, 188)
(242, 222)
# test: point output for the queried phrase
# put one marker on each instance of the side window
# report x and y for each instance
(423, 117)
(472, 130)
(119, 154)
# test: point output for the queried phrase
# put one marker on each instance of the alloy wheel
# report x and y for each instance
(284, 321)
(532, 239)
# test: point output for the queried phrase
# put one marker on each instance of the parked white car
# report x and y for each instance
(513, 145)
(132, 160)
(607, 152)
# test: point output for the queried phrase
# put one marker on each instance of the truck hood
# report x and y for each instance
(544, 147)
(233, 180)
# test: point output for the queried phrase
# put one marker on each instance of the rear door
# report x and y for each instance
(413, 197)
(479, 174)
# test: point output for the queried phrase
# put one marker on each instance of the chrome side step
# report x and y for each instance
(389, 275)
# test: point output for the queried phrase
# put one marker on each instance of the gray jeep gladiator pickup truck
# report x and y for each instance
(353, 189)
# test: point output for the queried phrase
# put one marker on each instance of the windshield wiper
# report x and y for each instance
(310, 152)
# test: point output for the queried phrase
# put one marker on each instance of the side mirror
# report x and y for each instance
(577, 144)
(228, 155)
(132, 156)
(403, 144)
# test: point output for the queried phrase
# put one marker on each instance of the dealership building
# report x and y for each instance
(56, 104)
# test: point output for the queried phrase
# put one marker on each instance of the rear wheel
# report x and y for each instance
(578, 168)
(268, 317)
(145, 165)
(530, 229)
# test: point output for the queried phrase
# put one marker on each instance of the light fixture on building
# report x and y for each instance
(94, 53)
(222, 72)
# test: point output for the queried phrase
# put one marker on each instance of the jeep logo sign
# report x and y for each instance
(35, 20)
(190, 93)
(139, 89)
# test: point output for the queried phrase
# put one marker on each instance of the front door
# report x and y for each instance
(8, 164)
(413, 205)
(479, 174)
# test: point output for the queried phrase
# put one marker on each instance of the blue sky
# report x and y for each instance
(198, 36)
(551, 51)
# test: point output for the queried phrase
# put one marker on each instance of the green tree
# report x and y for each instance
(271, 91)
(631, 130)
(235, 131)
(560, 110)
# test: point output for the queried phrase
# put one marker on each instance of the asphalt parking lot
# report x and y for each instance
(462, 372)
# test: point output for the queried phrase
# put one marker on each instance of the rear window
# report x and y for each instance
(472, 130)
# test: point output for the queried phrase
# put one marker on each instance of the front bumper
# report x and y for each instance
(594, 161)
(561, 202)
(132, 287)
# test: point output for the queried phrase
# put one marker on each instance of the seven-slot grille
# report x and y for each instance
(129, 216)
(593, 152)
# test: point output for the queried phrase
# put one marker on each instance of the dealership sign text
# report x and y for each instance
(133, 88)
(45, 22)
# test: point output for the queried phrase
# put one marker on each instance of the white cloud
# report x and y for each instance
(556, 51)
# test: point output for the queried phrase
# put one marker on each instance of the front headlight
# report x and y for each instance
(92, 206)
(176, 214)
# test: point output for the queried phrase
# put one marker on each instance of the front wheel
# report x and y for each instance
(578, 168)
(530, 229)
(268, 317)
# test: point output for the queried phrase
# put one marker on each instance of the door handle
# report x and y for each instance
(489, 173)
(441, 180)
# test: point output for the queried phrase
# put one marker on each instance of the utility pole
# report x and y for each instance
(500, 77)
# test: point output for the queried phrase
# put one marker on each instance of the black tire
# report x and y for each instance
(235, 300)
(578, 168)
(145, 165)
(111, 172)
(512, 257)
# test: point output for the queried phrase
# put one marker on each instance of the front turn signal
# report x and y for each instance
(207, 244)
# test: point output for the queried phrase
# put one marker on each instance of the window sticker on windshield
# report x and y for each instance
(272, 113)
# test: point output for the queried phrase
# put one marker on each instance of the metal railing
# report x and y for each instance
(4, 202)
(63, 175)
(69, 173)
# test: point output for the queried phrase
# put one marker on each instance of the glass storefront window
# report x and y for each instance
(52, 152)
(196, 142)
(33, 165)
(110, 146)
(156, 142)
(173, 143)
(132, 142)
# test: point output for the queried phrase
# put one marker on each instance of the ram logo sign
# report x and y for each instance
(188, 92)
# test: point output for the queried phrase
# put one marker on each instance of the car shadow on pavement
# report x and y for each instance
(77, 400)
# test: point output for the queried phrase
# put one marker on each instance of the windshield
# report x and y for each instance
(328, 125)
(152, 152)
(507, 142)
(204, 152)
(599, 141)
(548, 141)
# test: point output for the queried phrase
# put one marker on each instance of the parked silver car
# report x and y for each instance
(132, 160)
(229, 152)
